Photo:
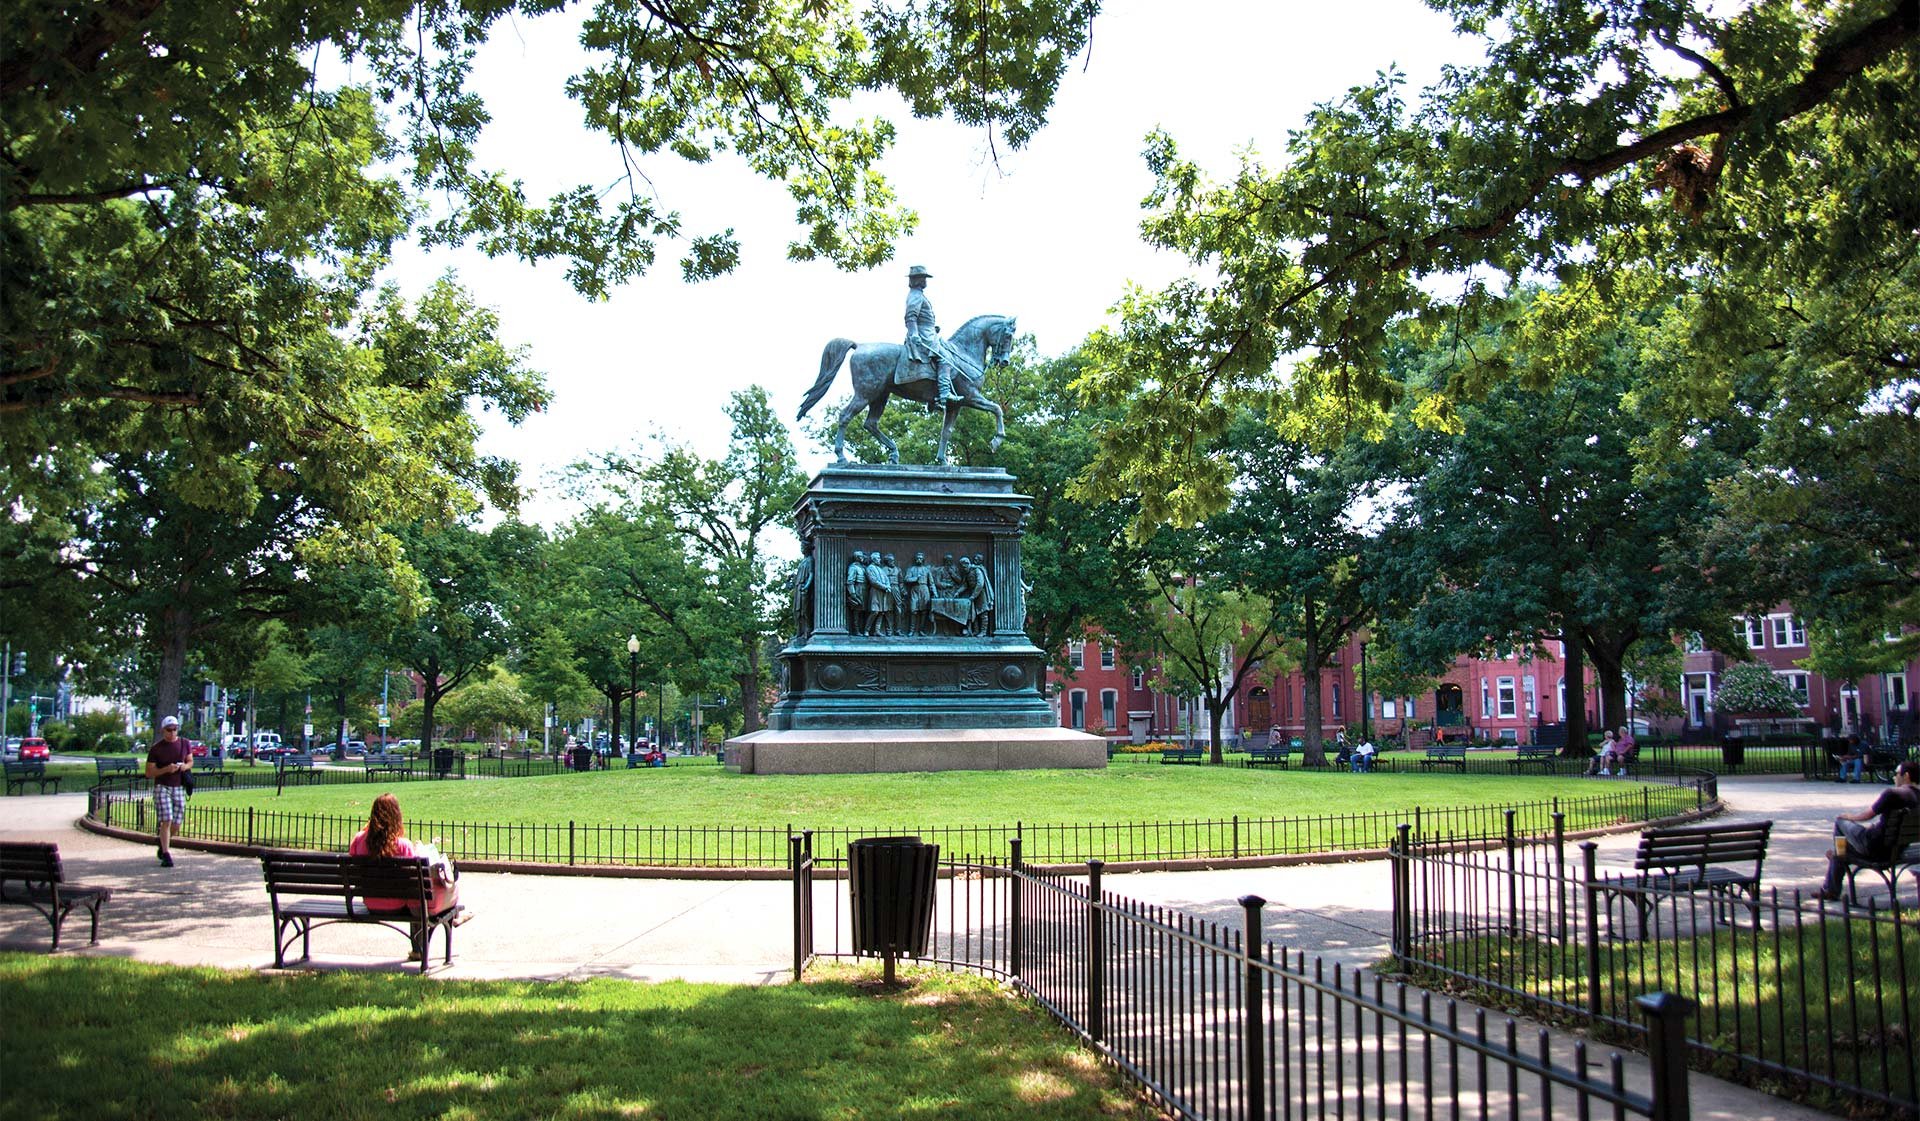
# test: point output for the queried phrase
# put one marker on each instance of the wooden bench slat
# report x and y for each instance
(331, 888)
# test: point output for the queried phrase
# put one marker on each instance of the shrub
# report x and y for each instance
(114, 741)
(1750, 687)
(86, 729)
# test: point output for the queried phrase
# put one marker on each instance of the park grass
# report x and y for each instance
(102, 1037)
(1831, 996)
(711, 796)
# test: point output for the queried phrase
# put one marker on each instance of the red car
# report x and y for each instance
(198, 749)
(33, 749)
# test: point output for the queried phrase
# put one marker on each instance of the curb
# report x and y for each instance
(676, 872)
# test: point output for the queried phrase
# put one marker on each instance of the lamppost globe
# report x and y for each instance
(633, 645)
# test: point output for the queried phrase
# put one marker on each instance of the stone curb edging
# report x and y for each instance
(665, 872)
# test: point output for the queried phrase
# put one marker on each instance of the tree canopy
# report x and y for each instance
(1757, 159)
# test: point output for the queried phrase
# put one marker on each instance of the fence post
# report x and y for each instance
(1013, 912)
(1666, 1015)
(250, 833)
(799, 905)
(1560, 867)
(569, 842)
(1513, 878)
(1255, 1081)
(1401, 880)
(1096, 956)
(1646, 803)
(1236, 835)
(1587, 860)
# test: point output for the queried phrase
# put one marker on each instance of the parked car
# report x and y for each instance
(404, 746)
(10, 751)
(33, 749)
(355, 747)
(197, 748)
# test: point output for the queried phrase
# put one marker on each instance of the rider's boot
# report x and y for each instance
(946, 384)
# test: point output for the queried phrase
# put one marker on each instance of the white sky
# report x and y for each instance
(1050, 236)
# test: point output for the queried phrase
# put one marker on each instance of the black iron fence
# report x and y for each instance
(1815, 999)
(638, 845)
(1215, 1022)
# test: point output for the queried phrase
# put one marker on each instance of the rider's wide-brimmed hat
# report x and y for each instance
(917, 270)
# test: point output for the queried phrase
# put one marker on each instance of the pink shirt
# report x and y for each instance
(401, 847)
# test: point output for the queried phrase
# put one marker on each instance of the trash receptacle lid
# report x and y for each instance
(876, 841)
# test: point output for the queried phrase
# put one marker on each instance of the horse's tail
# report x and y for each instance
(830, 359)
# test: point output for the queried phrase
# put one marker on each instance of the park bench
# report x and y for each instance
(20, 774)
(1893, 860)
(1882, 761)
(212, 770)
(1184, 755)
(1446, 755)
(309, 889)
(119, 770)
(1279, 754)
(31, 876)
(1709, 858)
(384, 762)
(297, 767)
(1544, 754)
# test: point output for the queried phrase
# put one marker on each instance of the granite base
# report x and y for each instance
(844, 751)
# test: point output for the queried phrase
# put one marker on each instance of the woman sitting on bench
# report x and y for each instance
(386, 835)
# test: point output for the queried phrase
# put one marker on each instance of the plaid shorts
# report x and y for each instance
(170, 804)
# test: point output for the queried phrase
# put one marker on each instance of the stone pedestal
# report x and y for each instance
(908, 645)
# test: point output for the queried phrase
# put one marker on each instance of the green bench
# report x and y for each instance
(384, 762)
(1280, 755)
(119, 770)
(212, 770)
(1542, 753)
(1184, 755)
(1446, 755)
(20, 774)
(31, 875)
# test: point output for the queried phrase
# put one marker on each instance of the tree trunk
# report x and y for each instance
(430, 692)
(1216, 714)
(750, 690)
(175, 624)
(1572, 645)
(1609, 666)
(1315, 754)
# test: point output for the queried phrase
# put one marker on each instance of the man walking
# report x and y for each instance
(1869, 832)
(168, 762)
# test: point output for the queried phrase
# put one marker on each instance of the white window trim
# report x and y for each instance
(1798, 681)
(1077, 700)
(1787, 630)
(1077, 654)
(1106, 656)
(1900, 699)
(1505, 699)
(1110, 708)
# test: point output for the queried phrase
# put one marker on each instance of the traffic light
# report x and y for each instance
(233, 713)
(19, 663)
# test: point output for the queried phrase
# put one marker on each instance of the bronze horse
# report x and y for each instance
(982, 341)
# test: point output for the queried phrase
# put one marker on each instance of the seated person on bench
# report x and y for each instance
(1614, 747)
(1853, 758)
(1363, 757)
(1865, 839)
(385, 835)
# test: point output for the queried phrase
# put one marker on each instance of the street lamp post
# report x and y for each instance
(633, 690)
(1366, 698)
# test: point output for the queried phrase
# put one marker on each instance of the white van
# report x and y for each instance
(266, 744)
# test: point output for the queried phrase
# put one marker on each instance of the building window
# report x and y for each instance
(1410, 714)
(1696, 696)
(1486, 699)
(1756, 632)
(1896, 691)
(1797, 682)
(1388, 708)
(1788, 630)
(1109, 709)
(1506, 697)
(1336, 700)
(1077, 705)
(1533, 704)
(1077, 655)
(1695, 644)
(1509, 735)
(1106, 656)
(1139, 679)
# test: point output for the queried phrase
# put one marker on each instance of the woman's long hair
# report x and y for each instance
(384, 828)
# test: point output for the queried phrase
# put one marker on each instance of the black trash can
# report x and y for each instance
(1733, 750)
(891, 888)
(442, 762)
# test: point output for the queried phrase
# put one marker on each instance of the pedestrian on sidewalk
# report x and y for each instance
(168, 762)
(1870, 840)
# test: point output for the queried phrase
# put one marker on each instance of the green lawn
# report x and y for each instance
(99, 1037)
(1824, 997)
(710, 796)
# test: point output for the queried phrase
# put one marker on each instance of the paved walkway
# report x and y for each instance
(211, 910)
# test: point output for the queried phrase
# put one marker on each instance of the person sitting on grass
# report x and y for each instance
(1870, 832)
(386, 835)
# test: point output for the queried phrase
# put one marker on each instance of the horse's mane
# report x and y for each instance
(975, 324)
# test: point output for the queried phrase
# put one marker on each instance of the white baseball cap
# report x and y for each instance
(170, 722)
